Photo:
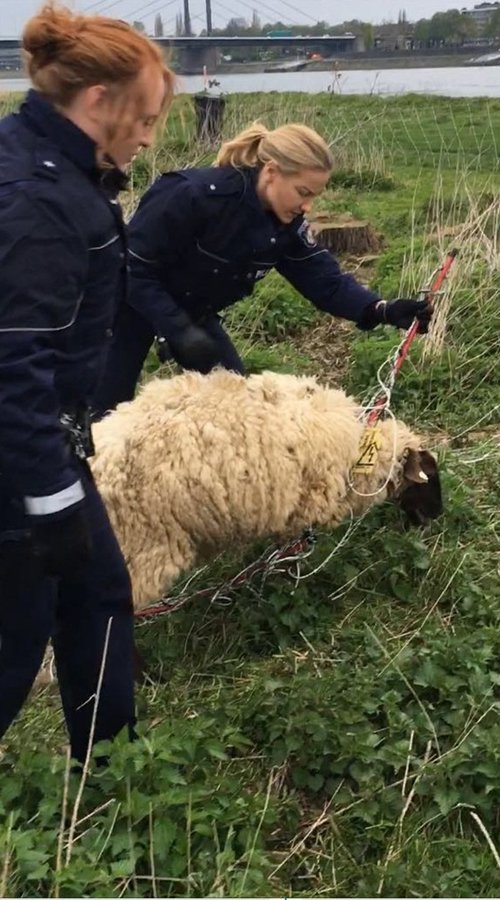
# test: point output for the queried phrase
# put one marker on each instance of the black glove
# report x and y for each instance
(402, 312)
(194, 348)
(62, 545)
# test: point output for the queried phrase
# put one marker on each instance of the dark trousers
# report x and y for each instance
(132, 339)
(76, 614)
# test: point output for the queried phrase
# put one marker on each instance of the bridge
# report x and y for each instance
(197, 52)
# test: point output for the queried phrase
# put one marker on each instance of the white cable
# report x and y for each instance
(385, 387)
(475, 424)
(478, 459)
(353, 526)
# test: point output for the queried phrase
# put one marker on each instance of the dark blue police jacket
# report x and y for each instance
(62, 272)
(200, 240)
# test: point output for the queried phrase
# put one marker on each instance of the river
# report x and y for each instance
(460, 81)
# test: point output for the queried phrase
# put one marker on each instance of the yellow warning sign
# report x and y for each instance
(369, 447)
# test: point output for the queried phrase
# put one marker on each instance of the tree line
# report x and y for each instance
(443, 28)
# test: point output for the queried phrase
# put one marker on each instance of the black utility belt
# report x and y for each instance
(78, 432)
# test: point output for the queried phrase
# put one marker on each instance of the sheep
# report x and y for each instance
(196, 463)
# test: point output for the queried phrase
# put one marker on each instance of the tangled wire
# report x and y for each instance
(288, 559)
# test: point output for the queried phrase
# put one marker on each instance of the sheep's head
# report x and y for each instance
(419, 489)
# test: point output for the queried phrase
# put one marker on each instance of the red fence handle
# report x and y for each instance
(412, 332)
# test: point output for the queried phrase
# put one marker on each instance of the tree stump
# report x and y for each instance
(343, 233)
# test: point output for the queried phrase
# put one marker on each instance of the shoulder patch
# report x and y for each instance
(306, 234)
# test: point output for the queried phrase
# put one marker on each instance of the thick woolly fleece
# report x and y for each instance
(196, 464)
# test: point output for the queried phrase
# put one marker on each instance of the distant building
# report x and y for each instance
(394, 36)
(482, 14)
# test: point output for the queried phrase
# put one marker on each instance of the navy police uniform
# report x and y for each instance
(62, 274)
(199, 242)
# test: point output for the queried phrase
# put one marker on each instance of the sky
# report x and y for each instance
(13, 13)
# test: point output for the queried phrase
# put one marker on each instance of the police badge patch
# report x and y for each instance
(306, 234)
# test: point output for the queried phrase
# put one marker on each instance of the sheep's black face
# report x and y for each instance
(420, 494)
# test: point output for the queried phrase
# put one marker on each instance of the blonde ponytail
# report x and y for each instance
(243, 150)
(291, 147)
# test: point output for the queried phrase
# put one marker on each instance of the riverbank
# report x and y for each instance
(447, 81)
(405, 61)
(341, 64)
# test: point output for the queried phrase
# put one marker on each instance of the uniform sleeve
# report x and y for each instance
(42, 270)
(161, 230)
(316, 274)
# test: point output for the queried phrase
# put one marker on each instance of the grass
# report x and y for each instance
(336, 735)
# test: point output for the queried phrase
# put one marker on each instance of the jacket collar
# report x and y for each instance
(250, 195)
(252, 198)
(41, 117)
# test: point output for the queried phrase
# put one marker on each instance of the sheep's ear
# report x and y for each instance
(420, 492)
(428, 463)
(417, 469)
